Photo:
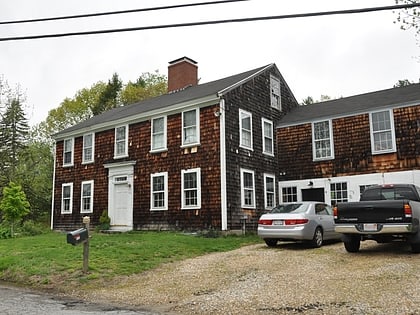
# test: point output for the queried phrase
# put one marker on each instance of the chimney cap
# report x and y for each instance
(183, 59)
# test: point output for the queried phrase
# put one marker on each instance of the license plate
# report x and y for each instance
(370, 227)
(278, 222)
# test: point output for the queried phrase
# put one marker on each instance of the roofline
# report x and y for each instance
(229, 88)
(173, 109)
(349, 114)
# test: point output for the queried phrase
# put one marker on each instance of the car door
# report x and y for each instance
(325, 216)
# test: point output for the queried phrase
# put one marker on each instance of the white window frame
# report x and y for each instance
(165, 191)
(71, 152)
(265, 137)
(90, 197)
(329, 140)
(289, 194)
(275, 92)
(118, 141)
(184, 190)
(245, 190)
(339, 193)
(271, 193)
(163, 133)
(70, 198)
(390, 131)
(196, 127)
(85, 148)
(242, 131)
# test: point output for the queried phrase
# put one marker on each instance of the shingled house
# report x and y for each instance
(201, 156)
(332, 151)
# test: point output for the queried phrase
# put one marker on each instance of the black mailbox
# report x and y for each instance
(77, 237)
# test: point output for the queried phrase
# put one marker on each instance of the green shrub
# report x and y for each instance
(31, 228)
(104, 221)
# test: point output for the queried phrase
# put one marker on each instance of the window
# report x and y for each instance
(338, 192)
(68, 152)
(322, 140)
(245, 129)
(159, 191)
(269, 191)
(382, 132)
(121, 141)
(289, 194)
(275, 92)
(247, 189)
(191, 189)
(159, 134)
(190, 127)
(67, 198)
(87, 197)
(88, 148)
(362, 188)
(267, 131)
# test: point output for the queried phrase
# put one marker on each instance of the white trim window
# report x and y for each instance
(382, 132)
(121, 142)
(339, 193)
(245, 129)
(322, 140)
(191, 127)
(86, 202)
(267, 136)
(68, 152)
(158, 130)
(159, 191)
(88, 148)
(275, 94)
(289, 194)
(269, 191)
(247, 189)
(67, 198)
(191, 188)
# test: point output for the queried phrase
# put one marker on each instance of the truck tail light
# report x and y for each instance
(335, 212)
(407, 211)
(295, 221)
(265, 222)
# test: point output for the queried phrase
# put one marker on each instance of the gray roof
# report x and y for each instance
(353, 105)
(189, 94)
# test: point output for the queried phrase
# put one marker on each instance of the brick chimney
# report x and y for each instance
(182, 73)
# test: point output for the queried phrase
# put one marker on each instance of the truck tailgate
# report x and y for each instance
(377, 211)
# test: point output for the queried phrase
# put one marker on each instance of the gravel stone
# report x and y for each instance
(288, 279)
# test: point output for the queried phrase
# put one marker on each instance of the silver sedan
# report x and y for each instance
(310, 221)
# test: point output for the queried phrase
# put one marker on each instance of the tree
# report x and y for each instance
(13, 205)
(14, 130)
(409, 18)
(148, 85)
(310, 100)
(109, 98)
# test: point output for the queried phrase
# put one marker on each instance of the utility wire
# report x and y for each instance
(117, 12)
(264, 18)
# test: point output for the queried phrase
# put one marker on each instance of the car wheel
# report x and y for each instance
(271, 242)
(352, 243)
(318, 238)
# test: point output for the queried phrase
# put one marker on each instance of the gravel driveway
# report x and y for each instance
(288, 279)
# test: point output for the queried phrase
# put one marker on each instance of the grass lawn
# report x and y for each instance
(48, 261)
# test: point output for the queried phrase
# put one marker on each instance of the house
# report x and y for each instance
(201, 156)
(331, 151)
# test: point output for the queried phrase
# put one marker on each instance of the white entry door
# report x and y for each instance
(120, 195)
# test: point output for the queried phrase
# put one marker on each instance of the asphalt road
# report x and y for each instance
(20, 301)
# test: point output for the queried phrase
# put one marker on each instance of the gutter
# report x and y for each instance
(223, 194)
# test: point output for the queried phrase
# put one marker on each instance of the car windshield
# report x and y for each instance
(290, 208)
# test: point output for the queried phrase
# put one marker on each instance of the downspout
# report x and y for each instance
(53, 189)
(223, 194)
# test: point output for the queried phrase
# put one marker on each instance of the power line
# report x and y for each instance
(264, 18)
(117, 12)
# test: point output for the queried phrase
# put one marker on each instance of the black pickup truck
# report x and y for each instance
(384, 213)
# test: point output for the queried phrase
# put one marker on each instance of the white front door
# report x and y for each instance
(120, 195)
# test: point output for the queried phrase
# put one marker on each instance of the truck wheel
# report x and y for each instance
(318, 239)
(270, 242)
(415, 248)
(352, 243)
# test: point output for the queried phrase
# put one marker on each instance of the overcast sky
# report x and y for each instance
(338, 56)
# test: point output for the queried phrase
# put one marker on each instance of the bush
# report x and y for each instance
(5, 232)
(104, 221)
(31, 228)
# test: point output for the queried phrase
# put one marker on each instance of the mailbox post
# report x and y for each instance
(81, 236)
